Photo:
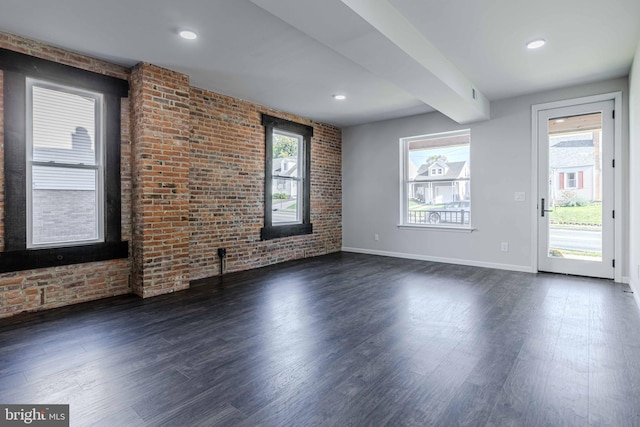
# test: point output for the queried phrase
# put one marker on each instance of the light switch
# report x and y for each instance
(519, 196)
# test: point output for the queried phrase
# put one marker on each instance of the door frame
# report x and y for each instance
(620, 219)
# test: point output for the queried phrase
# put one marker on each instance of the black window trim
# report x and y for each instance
(270, 231)
(16, 67)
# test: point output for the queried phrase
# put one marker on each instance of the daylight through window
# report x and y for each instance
(64, 165)
(286, 200)
(287, 179)
(436, 180)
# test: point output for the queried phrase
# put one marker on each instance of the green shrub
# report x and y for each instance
(556, 253)
(571, 199)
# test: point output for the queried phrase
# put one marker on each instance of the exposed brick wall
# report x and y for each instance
(55, 54)
(126, 186)
(226, 183)
(160, 119)
(54, 287)
(192, 181)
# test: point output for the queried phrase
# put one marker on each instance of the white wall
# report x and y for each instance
(500, 166)
(634, 181)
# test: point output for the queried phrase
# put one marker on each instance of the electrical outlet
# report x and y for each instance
(376, 237)
(519, 196)
(504, 247)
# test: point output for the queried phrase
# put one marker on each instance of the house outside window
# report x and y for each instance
(436, 179)
(287, 178)
(573, 169)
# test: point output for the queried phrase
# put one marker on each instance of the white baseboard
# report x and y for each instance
(635, 288)
(510, 267)
(625, 279)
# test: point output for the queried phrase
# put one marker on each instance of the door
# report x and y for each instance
(576, 190)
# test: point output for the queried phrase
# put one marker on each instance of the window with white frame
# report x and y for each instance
(436, 178)
(65, 191)
(571, 180)
(286, 159)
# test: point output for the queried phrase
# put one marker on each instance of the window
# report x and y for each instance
(62, 164)
(286, 197)
(436, 179)
(287, 183)
(571, 180)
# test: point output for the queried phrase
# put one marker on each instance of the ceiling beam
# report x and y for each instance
(375, 35)
(452, 93)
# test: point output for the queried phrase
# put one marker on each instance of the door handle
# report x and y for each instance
(542, 209)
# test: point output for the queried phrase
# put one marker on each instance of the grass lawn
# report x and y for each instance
(569, 253)
(588, 215)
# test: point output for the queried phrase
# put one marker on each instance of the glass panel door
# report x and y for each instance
(576, 190)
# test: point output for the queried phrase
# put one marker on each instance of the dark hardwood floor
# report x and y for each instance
(342, 339)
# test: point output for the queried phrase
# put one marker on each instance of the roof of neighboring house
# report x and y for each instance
(453, 170)
(574, 144)
(424, 169)
(277, 166)
(571, 154)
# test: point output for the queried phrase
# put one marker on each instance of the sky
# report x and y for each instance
(453, 154)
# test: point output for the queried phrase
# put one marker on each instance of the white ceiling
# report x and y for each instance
(392, 58)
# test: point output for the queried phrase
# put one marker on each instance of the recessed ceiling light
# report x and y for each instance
(559, 120)
(188, 34)
(534, 44)
(339, 97)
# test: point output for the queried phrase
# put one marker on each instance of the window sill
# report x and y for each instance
(278, 231)
(28, 259)
(437, 228)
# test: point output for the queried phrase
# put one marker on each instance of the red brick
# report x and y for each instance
(192, 173)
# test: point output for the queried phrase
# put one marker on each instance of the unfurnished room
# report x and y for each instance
(331, 213)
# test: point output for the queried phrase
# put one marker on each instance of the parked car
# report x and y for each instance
(453, 212)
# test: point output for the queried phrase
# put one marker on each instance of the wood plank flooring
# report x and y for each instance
(339, 340)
